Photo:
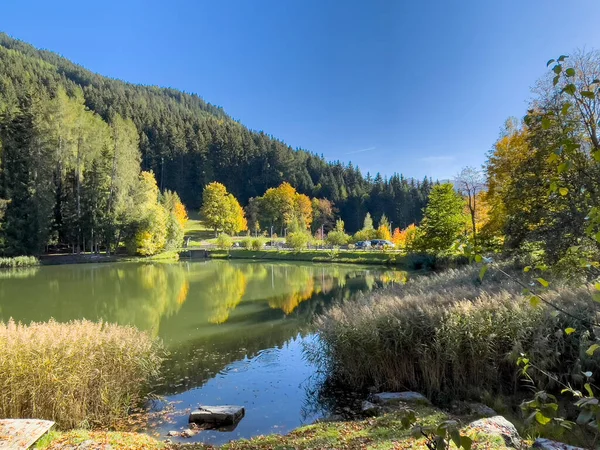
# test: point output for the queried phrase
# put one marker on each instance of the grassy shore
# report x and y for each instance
(351, 257)
(381, 433)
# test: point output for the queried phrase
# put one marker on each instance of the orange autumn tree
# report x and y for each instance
(403, 239)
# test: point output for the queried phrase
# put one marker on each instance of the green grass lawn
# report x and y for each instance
(349, 256)
(385, 432)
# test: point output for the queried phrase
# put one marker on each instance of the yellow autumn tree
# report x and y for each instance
(221, 210)
(150, 219)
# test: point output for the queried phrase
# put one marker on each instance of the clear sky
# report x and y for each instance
(420, 87)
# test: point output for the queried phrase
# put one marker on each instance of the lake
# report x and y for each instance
(235, 330)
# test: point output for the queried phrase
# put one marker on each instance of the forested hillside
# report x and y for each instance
(73, 144)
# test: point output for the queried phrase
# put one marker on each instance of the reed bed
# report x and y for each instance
(79, 374)
(18, 261)
(449, 334)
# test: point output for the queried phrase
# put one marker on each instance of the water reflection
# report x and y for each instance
(234, 330)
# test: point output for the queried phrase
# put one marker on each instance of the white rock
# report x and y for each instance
(218, 415)
(547, 444)
(499, 426)
(386, 398)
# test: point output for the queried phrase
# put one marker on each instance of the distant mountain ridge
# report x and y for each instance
(188, 142)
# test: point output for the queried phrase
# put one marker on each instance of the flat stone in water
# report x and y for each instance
(547, 444)
(386, 398)
(218, 415)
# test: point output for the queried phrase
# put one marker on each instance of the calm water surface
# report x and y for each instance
(235, 330)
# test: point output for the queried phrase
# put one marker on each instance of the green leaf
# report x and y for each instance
(552, 158)
(563, 191)
(569, 331)
(597, 286)
(563, 167)
(455, 436)
(570, 89)
(590, 351)
(466, 442)
(482, 272)
(546, 123)
(565, 109)
(550, 62)
(543, 282)
(557, 69)
(478, 258)
(555, 80)
(596, 155)
(535, 301)
(541, 418)
(596, 297)
(527, 269)
(588, 94)
(554, 313)
(570, 72)
(561, 58)
(553, 186)
(597, 236)
(588, 388)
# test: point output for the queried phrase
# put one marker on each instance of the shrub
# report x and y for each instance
(224, 241)
(247, 242)
(339, 238)
(297, 240)
(77, 374)
(18, 261)
(449, 334)
(257, 244)
(364, 235)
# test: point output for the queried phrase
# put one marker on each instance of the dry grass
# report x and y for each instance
(449, 334)
(79, 374)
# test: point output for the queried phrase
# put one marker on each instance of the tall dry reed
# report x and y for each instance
(78, 374)
(448, 333)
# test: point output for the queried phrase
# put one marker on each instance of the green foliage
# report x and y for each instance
(73, 143)
(246, 242)
(298, 240)
(257, 244)
(444, 221)
(224, 241)
(338, 236)
(18, 261)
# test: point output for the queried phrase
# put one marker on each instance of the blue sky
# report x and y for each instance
(419, 87)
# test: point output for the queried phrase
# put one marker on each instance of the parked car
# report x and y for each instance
(363, 244)
(381, 243)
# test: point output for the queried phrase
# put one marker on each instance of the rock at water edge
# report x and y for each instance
(547, 444)
(218, 415)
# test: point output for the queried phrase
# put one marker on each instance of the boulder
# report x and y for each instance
(499, 426)
(217, 415)
(479, 409)
(370, 409)
(389, 398)
(547, 444)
